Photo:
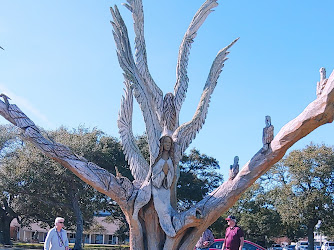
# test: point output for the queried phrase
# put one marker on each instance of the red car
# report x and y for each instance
(248, 245)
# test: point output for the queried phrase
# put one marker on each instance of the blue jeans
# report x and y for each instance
(202, 248)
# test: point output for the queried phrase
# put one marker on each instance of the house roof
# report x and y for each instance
(32, 227)
(99, 226)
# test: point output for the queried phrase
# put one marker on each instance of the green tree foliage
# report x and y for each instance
(7, 214)
(302, 187)
(198, 177)
(44, 189)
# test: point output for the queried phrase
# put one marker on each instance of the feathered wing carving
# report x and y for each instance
(138, 165)
(180, 89)
(146, 92)
(187, 131)
(131, 74)
(156, 95)
(181, 84)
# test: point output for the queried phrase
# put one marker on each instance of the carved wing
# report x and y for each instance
(138, 165)
(131, 74)
(124, 54)
(136, 8)
(187, 131)
(181, 85)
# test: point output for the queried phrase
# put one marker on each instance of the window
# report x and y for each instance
(99, 239)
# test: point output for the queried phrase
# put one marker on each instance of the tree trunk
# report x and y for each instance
(6, 230)
(310, 233)
(6, 216)
(5, 221)
(79, 221)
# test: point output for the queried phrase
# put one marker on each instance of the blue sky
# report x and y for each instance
(60, 66)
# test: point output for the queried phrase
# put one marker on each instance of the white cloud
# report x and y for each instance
(25, 105)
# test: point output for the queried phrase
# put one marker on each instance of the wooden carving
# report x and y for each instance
(149, 202)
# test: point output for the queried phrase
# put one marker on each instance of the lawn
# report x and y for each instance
(19, 245)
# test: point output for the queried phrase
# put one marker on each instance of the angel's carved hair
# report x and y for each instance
(161, 149)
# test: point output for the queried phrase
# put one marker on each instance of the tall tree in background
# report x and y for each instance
(7, 214)
(44, 189)
(198, 177)
(302, 186)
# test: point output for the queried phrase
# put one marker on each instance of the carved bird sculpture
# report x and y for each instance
(5, 98)
(234, 169)
(322, 83)
(268, 134)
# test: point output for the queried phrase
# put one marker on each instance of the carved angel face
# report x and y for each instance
(167, 143)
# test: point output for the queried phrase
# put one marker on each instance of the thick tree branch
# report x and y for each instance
(97, 177)
(317, 113)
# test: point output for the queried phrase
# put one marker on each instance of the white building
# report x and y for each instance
(101, 232)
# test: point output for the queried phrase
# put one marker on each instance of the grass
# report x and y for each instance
(19, 245)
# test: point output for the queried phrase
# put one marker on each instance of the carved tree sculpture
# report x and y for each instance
(149, 202)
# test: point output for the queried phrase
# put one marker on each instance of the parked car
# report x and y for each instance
(329, 245)
(291, 247)
(276, 247)
(302, 245)
(248, 245)
(317, 245)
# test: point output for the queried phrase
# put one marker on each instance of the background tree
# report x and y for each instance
(198, 177)
(302, 189)
(44, 189)
(7, 214)
(8, 141)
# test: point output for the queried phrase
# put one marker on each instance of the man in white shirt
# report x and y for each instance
(56, 239)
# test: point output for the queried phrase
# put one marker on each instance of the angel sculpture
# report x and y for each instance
(161, 113)
(268, 134)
